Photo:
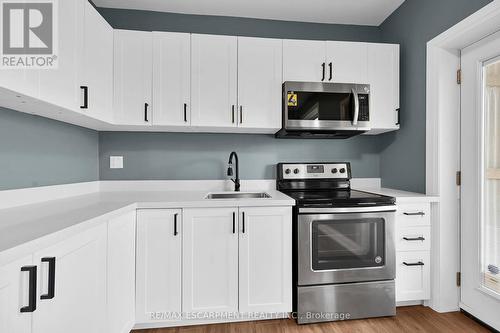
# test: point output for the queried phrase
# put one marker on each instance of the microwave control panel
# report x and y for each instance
(364, 107)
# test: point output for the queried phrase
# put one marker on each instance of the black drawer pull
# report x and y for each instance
(232, 114)
(185, 113)
(52, 278)
(241, 114)
(243, 221)
(415, 214)
(175, 224)
(323, 66)
(414, 238)
(234, 222)
(331, 71)
(146, 105)
(32, 289)
(85, 97)
(413, 263)
(399, 117)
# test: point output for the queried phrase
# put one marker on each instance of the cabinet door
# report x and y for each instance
(132, 77)
(259, 82)
(383, 77)
(97, 72)
(78, 304)
(171, 78)
(210, 260)
(265, 267)
(412, 276)
(159, 233)
(14, 294)
(347, 62)
(304, 60)
(60, 86)
(121, 274)
(213, 80)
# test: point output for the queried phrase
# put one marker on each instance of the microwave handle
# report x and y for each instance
(356, 108)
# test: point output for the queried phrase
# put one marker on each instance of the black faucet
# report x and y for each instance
(236, 181)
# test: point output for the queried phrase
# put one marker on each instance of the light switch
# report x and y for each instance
(116, 162)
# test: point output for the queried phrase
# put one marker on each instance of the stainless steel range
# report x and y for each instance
(344, 251)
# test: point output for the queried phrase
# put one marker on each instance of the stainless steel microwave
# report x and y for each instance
(325, 110)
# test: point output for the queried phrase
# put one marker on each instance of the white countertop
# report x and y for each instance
(401, 196)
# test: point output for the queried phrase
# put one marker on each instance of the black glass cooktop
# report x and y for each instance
(339, 198)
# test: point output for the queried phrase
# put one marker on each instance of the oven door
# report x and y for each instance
(346, 245)
(326, 106)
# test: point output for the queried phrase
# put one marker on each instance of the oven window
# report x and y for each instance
(321, 106)
(340, 244)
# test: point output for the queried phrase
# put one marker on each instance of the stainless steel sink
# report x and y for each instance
(238, 195)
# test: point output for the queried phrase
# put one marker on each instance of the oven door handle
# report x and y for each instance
(356, 108)
(347, 210)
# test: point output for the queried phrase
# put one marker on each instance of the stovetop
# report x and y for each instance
(339, 198)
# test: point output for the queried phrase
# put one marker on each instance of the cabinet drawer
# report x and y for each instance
(413, 238)
(412, 276)
(413, 214)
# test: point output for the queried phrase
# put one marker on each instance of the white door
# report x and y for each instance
(210, 260)
(214, 80)
(97, 71)
(78, 303)
(259, 82)
(133, 71)
(121, 274)
(60, 86)
(304, 60)
(480, 164)
(171, 78)
(265, 266)
(347, 62)
(158, 279)
(14, 295)
(383, 77)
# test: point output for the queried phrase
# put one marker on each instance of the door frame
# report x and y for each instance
(442, 152)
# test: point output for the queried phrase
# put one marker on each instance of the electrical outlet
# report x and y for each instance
(116, 162)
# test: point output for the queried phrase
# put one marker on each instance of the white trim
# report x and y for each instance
(442, 126)
(475, 314)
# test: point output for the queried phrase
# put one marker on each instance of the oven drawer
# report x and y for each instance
(413, 238)
(413, 214)
(413, 276)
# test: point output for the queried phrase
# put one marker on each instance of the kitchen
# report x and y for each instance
(119, 187)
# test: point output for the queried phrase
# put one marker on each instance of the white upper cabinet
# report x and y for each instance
(60, 86)
(210, 260)
(171, 79)
(265, 267)
(133, 72)
(383, 76)
(346, 62)
(97, 71)
(259, 82)
(214, 80)
(304, 60)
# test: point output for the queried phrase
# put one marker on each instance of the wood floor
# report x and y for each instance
(409, 319)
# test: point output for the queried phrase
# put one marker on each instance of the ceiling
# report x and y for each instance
(360, 12)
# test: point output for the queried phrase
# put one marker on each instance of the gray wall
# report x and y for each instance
(413, 25)
(36, 151)
(204, 156)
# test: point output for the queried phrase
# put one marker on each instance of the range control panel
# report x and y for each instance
(314, 170)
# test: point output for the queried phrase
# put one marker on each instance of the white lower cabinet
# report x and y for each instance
(210, 260)
(121, 274)
(265, 259)
(413, 241)
(14, 295)
(158, 268)
(78, 301)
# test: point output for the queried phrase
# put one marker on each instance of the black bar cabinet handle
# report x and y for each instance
(398, 110)
(241, 114)
(414, 238)
(323, 65)
(85, 97)
(175, 224)
(243, 221)
(32, 289)
(331, 70)
(413, 263)
(232, 112)
(185, 113)
(52, 278)
(234, 222)
(146, 105)
(415, 214)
